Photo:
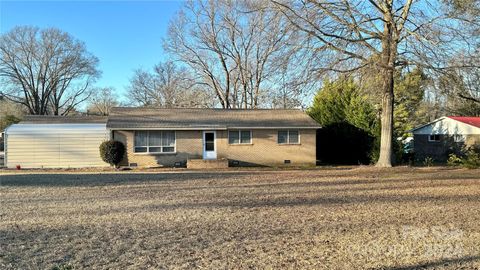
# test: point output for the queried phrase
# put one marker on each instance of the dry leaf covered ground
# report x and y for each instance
(330, 218)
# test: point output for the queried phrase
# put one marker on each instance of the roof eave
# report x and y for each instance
(210, 128)
(427, 124)
(166, 128)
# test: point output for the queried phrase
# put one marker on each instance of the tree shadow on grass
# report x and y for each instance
(71, 180)
(226, 202)
(277, 179)
(438, 263)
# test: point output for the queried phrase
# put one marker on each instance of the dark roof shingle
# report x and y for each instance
(181, 118)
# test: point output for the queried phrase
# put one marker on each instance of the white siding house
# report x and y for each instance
(49, 145)
(448, 126)
(445, 136)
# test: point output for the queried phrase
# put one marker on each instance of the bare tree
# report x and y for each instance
(102, 100)
(235, 48)
(167, 86)
(46, 70)
(458, 93)
(346, 36)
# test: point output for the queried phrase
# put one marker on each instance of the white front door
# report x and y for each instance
(209, 145)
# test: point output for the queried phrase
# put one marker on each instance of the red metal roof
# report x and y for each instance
(473, 121)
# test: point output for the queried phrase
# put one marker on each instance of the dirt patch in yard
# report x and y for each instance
(351, 218)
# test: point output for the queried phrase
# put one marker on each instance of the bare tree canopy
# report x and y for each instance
(46, 70)
(346, 36)
(238, 50)
(102, 100)
(168, 86)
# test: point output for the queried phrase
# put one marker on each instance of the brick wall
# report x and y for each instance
(263, 150)
(188, 145)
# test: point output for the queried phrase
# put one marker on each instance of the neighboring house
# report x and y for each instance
(444, 135)
(167, 137)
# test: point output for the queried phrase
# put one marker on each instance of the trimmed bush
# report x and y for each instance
(112, 152)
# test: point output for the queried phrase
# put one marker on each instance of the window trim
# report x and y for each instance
(148, 143)
(433, 140)
(239, 132)
(288, 137)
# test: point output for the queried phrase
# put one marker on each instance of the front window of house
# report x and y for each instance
(288, 137)
(434, 138)
(154, 141)
(240, 137)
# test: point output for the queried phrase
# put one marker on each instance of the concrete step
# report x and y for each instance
(207, 163)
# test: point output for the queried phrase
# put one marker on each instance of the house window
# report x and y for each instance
(458, 138)
(288, 137)
(434, 138)
(240, 137)
(154, 142)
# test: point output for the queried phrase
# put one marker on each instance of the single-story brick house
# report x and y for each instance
(437, 138)
(166, 137)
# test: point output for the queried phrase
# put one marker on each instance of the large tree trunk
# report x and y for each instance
(385, 159)
(389, 53)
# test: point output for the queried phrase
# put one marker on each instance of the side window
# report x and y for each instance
(288, 137)
(293, 137)
(168, 142)
(282, 137)
(240, 137)
(233, 137)
(434, 138)
(154, 142)
(245, 136)
(141, 141)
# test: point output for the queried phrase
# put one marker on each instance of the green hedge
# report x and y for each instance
(112, 152)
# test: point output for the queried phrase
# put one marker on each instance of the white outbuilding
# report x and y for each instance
(55, 142)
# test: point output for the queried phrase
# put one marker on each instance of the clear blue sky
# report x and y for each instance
(124, 35)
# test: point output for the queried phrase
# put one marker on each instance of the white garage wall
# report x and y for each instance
(54, 145)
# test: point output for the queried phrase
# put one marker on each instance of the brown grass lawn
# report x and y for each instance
(349, 218)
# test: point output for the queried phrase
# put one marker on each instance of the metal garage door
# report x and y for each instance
(54, 145)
